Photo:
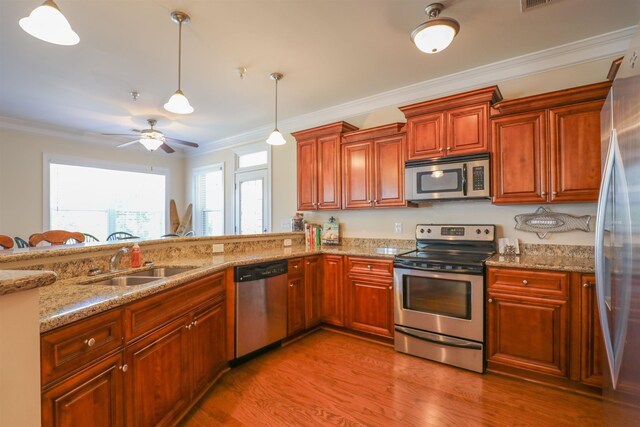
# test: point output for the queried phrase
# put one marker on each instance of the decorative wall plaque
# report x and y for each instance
(543, 221)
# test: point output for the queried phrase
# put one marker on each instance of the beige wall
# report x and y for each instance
(380, 222)
(21, 174)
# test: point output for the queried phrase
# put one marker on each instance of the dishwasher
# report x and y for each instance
(261, 306)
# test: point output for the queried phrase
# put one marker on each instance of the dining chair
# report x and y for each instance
(21, 243)
(90, 238)
(189, 233)
(121, 235)
(6, 242)
(55, 237)
(169, 235)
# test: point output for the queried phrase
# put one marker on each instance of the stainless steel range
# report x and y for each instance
(439, 294)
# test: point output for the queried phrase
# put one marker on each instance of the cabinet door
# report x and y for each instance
(389, 171)
(329, 174)
(519, 158)
(312, 291)
(307, 164)
(91, 397)
(591, 340)
(332, 292)
(528, 333)
(157, 384)
(208, 343)
(574, 141)
(357, 175)
(295, 306)
(425, 136)
(369, 305)
(467, 130)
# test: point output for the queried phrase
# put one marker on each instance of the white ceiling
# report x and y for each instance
(330, 51)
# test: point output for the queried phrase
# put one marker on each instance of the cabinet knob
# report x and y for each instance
(90, 342)
(189, 326)
(525, 282)
(543, 193)
(368, 201)
(586, 285)
(369, 266)
(490, 300)
(195, 322)
(375, 201)
(295, 266)
(440, 150)
(448, 148)
(390, 288)
(554, 193)
(124, 368)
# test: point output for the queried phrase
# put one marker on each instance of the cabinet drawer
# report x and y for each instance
(370, 266)
(532, 282)
(296, 267)
(71, 347)
(150, 313)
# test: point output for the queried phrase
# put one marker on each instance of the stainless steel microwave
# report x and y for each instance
(463, 177)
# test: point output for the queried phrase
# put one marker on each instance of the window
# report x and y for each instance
(100, 200)
(208, 198)
(253, 189)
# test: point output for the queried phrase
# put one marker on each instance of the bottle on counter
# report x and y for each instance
(136, 256)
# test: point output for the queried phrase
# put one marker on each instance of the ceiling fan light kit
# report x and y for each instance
(436, 34)
(47, 23)
(276, 137)
(178, 103)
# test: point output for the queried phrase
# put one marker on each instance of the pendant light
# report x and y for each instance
(47, 23)
(436, 33)
(178, 103)
(276, 137)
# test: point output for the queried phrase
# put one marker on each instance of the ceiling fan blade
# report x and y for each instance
(117, 134)
(180, 141)
(167, 149)
(128, 143)
(136, 130)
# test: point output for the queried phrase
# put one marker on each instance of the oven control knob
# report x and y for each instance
(486, 231)
(428, 231)
(421, 230)
(478, 231)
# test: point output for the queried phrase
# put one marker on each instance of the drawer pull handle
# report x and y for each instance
(586, 285)
(124, 368)
(525, 282)
(90, 342)
(490, 300)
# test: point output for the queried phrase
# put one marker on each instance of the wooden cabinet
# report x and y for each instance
(91, 397)
(332, 290)
(319, 167)
(295, 296)
(312, 291)
(528, 321)
(591, 339)
(453, 125)
(373, 167)
(369, 299)
(537, 140)
(208, 343)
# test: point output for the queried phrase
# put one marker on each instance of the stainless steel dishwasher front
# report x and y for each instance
(261, 306)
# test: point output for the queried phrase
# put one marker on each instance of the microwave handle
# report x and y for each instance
(464, 179)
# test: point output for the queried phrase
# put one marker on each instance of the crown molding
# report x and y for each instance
(575, 53)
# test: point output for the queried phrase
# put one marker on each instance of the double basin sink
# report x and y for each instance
(140, 277)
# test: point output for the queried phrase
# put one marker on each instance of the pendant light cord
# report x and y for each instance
(180, 55)
(276, 104)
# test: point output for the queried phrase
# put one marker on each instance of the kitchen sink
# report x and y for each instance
(123, 281)
(159, 272)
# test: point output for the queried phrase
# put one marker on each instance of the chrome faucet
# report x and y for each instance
(115, 259)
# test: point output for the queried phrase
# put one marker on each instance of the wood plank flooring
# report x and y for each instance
(328, 378)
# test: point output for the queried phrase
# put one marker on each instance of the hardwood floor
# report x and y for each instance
(332, 379)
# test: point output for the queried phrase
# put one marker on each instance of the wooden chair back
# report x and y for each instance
(55, 237)
(6, 242)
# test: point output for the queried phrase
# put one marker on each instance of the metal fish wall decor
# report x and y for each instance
(543, 221)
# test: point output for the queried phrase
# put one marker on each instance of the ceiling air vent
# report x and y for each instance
(526, 5)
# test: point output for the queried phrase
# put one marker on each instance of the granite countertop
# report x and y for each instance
(69, 300)
(12, 281)
(544, 262)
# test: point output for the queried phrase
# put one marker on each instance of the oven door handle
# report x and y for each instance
(464, 179)
(450, 342)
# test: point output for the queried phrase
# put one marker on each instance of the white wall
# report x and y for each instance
(21, 180)
(380, 222)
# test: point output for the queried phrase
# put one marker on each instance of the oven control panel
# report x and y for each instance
(477, 232)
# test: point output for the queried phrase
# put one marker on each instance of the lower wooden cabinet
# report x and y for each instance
(332, 290)
(591, 339)
(90, 397)
(313, 291)
(295, 306)
(208, 343)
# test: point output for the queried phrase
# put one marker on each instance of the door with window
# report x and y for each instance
(251, 206)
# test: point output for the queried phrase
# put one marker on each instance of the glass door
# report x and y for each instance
(252, 216)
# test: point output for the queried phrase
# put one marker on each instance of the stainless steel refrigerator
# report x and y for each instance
(617, 246)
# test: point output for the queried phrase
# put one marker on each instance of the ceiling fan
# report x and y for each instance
(153, 139)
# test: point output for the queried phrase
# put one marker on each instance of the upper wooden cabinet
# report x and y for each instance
(373, 167)
(546, 148)
(319, 171)
(454, 125)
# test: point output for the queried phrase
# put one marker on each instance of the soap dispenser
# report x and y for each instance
(136, 256)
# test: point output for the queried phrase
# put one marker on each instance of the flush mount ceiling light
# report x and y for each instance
(178, 103)
(276, 137)
(47, 23)
(437, 33)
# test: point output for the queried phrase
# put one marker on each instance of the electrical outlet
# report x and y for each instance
(217, 247)
(398, 226)
(287, 242)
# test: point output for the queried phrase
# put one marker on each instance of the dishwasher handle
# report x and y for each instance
(265, 270)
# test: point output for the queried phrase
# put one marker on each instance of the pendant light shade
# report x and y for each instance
(178, 103)
(437, 33)
(47, 23)
(276, 137)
